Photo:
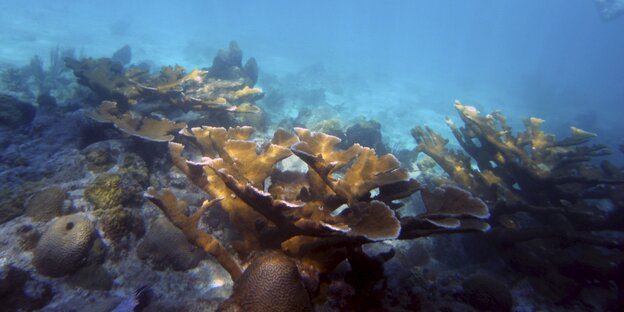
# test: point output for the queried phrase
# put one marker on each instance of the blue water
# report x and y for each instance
(401, 63)
(553, 59)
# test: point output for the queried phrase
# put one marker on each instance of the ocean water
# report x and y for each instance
(400, 63)
(557, 60)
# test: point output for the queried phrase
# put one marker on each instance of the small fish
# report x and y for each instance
(137, 301)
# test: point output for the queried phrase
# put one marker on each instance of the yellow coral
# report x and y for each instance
(246, 91)
(195, 75)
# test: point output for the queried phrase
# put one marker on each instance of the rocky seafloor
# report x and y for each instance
(62, 165)
(77, 233)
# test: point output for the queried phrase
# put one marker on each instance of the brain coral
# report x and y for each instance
(270, 283)
(64, 246)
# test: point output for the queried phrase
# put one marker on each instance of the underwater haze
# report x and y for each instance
(556, 59)
(502, 191)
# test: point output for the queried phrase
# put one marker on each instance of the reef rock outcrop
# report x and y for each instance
(14, 112)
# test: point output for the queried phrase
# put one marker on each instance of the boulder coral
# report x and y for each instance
(64, 246)
(164, 246)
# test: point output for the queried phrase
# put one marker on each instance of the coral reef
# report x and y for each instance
(609, 9)
(34, 79)
(319, 219)
(226, 85)
(15, 113)
(111, 190)
(321, 215)
(123, 56)
(118, 223)
(12, 204)
(64, 245)
(366, 133)
(105, 77)
(120, 187)
(227, 65)
(99, 159)
(530, 167)
(165, 246)
(270, 283)
(546, 194)
(20, 292)
(486, 293)
(158, 130)
(46, 204)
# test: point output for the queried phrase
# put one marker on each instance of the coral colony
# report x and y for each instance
(300, 220)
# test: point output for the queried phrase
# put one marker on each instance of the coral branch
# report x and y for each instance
(316, 214)
(174, 210)
(136, 125)
(531, 166)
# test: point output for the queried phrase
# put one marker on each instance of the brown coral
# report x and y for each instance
(174, 210)
(227, 85)
(136, 125)
(64, 245)
(345, 198)
(270, 283)
(531, 166)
